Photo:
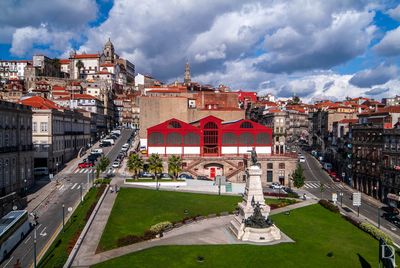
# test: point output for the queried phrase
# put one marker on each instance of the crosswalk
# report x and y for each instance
(70, 186)
(317, 184)
(84, 170)
(92, 170)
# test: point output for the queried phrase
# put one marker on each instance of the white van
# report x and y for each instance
(40, 171)
(110, 141)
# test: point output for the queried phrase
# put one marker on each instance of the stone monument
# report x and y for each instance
(252, 223)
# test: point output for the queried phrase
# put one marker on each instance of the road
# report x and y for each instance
(50, 212)
(315, 175)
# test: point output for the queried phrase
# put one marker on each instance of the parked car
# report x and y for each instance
(165, 176)
(85, 165)
(327, 166)
(204, 178)
(105, 144)
(276, 185)
(185, 176)
(391, 210)
(391, 218)
(302, 159)
(98, 151)
(146, 174)
(116, 164)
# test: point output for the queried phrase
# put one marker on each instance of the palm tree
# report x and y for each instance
(155, 164)
(79, 65)
(174, 165)
(102, 165)
(135, 163)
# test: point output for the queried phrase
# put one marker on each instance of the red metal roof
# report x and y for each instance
(65, 61)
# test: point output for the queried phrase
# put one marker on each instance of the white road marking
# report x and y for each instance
(74, 186)
(39, 226)
(12, 257)
(62, 187)
(42, 232)
(26, 241)
(77, 170)
(78, 187)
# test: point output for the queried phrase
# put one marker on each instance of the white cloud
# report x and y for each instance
(390, 43)
(395, 13)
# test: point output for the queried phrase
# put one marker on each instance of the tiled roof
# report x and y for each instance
(65, 61)
(79, 96)
(40, 103)
(107, 65)
(58, 88)
(86, 56)
(346, 120)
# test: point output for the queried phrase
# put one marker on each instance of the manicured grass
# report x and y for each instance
(58, 252)
(316, 231)
(136, 210)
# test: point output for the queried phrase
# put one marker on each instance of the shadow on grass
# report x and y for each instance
(363, 262)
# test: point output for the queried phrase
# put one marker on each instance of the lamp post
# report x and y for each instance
(57, 167)
(81, 193)
(26, 188)
(341, 199)
(63, 215)
(35, 218)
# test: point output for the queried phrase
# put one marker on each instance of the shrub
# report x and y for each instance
(375, 232)
(160, 227)
(328, 205)
(129, 239)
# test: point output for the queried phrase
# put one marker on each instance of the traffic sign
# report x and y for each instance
(357, 199)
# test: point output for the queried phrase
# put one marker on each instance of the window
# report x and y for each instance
(246, 139)
(281, 165)
(269, 175)
(156, 138)
(6, 140)
(192, 139)
(34, 127)
(174, 124)
(246, 125)
(43, 126)
(270, 165)
(174, 139)
(229, 139)
(263, 138)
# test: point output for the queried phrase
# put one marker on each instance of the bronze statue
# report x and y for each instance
(253, 157)
(257, 220)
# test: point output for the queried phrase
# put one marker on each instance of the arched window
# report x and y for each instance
(263, 138)
(174, 139)
(210, 125)
(156, 138)
(246, 124)
(229, 139)
(174, 124)
(192, 139)
(246, 139)
(281, 165)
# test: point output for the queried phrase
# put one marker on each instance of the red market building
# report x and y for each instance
(208, 137)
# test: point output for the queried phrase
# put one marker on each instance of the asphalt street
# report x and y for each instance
(315, 175)
(50, 212)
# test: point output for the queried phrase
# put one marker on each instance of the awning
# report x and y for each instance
(393, 197)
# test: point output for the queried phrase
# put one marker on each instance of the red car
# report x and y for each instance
(85, 165)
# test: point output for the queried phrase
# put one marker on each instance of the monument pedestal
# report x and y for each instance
(253, 195)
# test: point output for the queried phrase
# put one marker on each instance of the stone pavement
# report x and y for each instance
(207, 231)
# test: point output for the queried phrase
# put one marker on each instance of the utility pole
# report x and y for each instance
(63, 215)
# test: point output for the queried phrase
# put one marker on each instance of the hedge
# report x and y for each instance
(375, 232)
(160, 227)
(328, 205)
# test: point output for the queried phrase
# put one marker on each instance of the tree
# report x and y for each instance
(135, 163)
(79, 65)
(174, 165)
(298, 177)
(295, 100)
(155, 164)
(102, 165)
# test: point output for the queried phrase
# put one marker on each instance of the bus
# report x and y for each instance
(13, 228)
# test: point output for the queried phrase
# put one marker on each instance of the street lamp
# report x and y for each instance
(26, 189)
(35, 222)
(57, 167)
(81, 194)
(341, 199)
(63, 215)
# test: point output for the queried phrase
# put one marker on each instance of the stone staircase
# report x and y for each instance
(236, 226)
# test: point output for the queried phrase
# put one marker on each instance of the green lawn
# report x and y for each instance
(316, 231)
(59, 250)
(136, 210)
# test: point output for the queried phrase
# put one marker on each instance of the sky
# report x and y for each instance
(315, 49)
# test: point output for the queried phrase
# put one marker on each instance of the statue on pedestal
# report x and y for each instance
(253, 157)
